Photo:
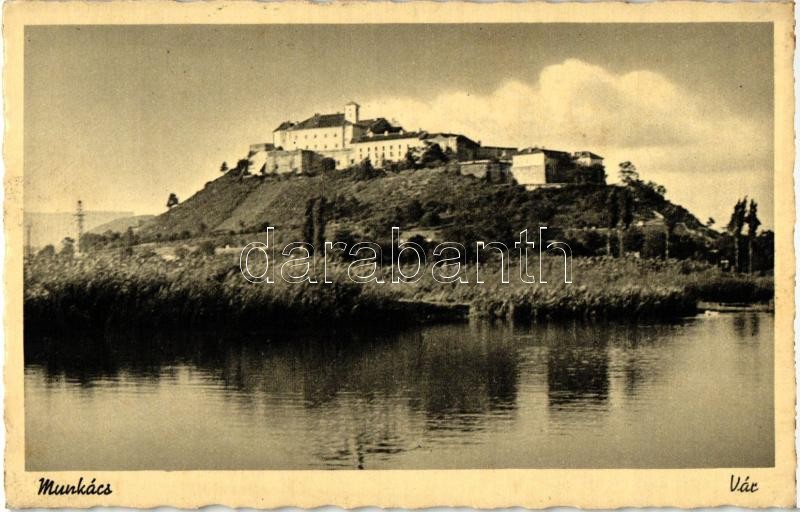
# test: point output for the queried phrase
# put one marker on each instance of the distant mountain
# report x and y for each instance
(52, 228)
(122, 224)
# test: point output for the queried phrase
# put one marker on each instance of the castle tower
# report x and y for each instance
(351, 112)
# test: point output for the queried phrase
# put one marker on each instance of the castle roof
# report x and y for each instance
(587, 154)
(378, 125)
(445, 135)
(547, 152)
(390, 136)
(284, 126)
(321, 121)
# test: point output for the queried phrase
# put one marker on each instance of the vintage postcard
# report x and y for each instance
(399, 254)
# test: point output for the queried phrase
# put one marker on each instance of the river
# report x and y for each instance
(693, 393)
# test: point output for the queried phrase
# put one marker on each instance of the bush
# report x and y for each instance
(206, 248)
(413, 211)
(430, 219)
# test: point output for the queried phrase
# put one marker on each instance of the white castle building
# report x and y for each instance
(348, 140)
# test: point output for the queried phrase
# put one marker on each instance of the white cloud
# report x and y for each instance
(669, 132)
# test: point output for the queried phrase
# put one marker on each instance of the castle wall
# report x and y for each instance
(529, 169)
(314, 139)
(284, 162)
(380, 150)
(496, 172)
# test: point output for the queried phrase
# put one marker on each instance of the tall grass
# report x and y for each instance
(207, 291)
(103, 291)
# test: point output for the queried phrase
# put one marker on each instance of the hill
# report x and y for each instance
(122, 224)
(52, 227)
(439, 203)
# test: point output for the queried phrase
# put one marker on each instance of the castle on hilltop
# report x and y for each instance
(347, 140)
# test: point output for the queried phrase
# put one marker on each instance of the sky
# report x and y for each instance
(122, 116)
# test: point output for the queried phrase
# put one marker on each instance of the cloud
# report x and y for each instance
(670, 133)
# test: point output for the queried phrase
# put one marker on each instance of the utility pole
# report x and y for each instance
(28, 246)
(79, 216)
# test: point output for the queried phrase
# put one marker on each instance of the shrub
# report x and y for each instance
(430, 219)
(206, 248)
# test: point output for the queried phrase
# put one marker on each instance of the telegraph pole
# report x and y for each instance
(79, 216)
(28, 245)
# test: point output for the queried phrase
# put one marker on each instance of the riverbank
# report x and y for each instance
(100, 291)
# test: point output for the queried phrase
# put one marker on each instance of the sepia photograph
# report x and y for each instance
(322, 246)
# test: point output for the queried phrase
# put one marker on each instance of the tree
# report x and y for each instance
(410, 159)
(130, 237)
(67, 248)
(625, 216)
(320, 222)
(413, 211)
(670, 221)
(433, 156)
(364, 171)
(172, 200)
(735, 226)
(710, 222)
(628, 173)
(243, 167)
(48, 251)
(655, 187)
(612, 216)
(430, 219)
(224, 167)
(308, 225)
(752, 221)
(206, 248)
(653, 244)
(316, 220)
(669, 225)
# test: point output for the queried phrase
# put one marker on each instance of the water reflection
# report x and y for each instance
(439, 396)
(577, 372)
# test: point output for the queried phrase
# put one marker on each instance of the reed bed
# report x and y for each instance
(100, 292)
